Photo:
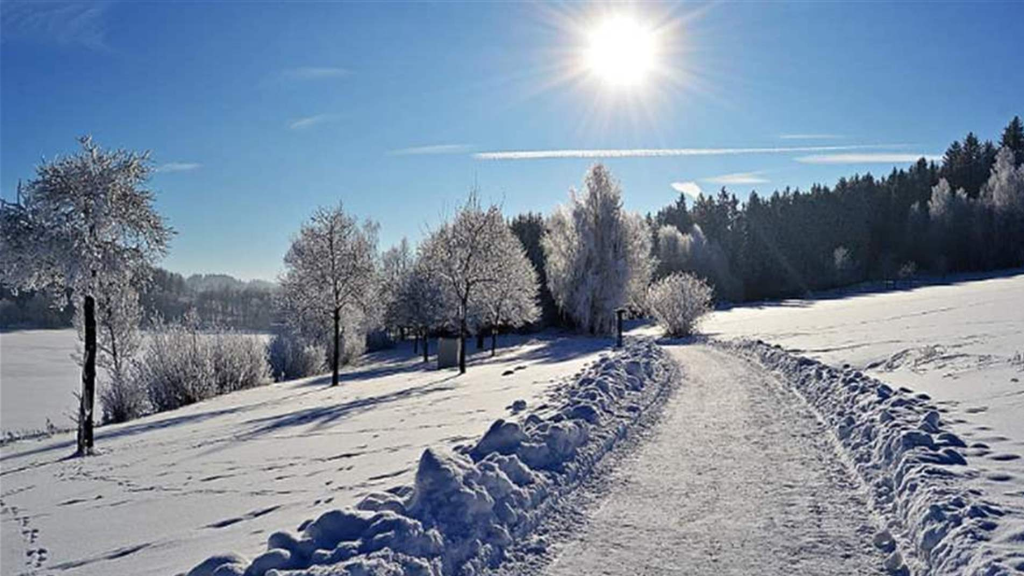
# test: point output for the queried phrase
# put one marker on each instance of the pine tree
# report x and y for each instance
(1013, 138)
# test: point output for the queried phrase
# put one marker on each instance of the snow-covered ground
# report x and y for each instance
(38, 379)
(737, 478)
(961, 343)
(169, 490)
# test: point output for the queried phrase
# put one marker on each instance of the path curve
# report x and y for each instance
(740, 477)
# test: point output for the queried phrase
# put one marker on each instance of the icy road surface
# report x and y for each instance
(740, 477)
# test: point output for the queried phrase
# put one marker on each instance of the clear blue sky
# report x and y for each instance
(259, 112)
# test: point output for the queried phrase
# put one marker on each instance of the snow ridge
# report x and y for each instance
(466, 508)
(912, 465)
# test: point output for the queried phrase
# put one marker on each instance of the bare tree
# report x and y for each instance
(330, 269)
(84, 222)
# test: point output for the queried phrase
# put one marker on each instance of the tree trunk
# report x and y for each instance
(462, 345)
(480, 339)
(85, 442)
(415, 344)
(337, 339)
(494, 339)
(426, 346)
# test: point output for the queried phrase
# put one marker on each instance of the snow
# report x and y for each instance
(913, 465)
(960, 344)
(38, 379)
(956, 342)
(738, 477)
(466, 507)
(169, 490)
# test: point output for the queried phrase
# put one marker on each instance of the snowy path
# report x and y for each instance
(740, 477)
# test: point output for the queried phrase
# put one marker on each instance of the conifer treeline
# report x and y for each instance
(937, 218)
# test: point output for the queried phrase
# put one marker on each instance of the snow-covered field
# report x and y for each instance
(169, 490)
(961, 344)
(38, 379)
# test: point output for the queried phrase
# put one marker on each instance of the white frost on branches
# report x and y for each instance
(330, 283)
(1004, 190)
(87, 227)
(511, 301)
(468, 257)
(678, 302)
(598, 255)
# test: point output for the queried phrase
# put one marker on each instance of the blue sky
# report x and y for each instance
(256, 113)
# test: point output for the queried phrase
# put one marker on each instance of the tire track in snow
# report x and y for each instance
(739, 478)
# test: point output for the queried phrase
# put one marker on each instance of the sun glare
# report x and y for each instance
(621, 52)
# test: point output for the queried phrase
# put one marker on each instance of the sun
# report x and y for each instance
(621, 52)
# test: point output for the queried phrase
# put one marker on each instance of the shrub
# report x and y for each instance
(177, 366)
(123, 398)
(239, 361)
(291, 357)
(678, 302)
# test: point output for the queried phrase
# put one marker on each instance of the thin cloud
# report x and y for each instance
(316, 72)
(738, 178)
(64, 24)
(662, 152)
(691, 189)
(866, 158)
(432, 149)
(178, 167)
(310, 121)
(811, 136)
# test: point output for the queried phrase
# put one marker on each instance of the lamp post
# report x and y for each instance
(618, 321)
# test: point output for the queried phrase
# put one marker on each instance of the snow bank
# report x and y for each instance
(467, 507)
(914, 467)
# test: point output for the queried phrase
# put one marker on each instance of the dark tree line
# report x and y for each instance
(938, 218)
(219, 300)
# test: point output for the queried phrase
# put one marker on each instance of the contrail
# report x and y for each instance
(663, 152)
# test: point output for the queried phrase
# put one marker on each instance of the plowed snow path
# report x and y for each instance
(740, 477)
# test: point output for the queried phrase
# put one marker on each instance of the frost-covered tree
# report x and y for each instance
(598, 255)
(464, 256)
(396, 264)
(330, 271)
(423, 302)
(948, 213)
(118, 316)
(85, 222)
(678, 302)
(1004, 195)
(510, 302)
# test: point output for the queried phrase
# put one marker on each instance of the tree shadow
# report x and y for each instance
(322, 416)
(126, 430)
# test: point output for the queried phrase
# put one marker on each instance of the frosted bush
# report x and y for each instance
(181, 365)
(178, 366)
(123, 398)
(291, 357)
(678, 302)
(239, 361)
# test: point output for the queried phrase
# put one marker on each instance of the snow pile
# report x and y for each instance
(913, 466)
(467, 507)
